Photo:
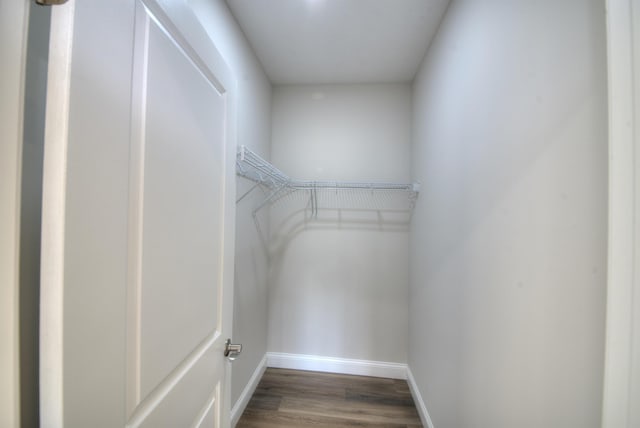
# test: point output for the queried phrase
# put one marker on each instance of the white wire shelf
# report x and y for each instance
(253, 167)
(262, 172)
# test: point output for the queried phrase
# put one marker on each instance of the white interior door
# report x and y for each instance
(138, 219)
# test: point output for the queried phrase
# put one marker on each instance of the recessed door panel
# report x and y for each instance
(175, 411)
(181, 218)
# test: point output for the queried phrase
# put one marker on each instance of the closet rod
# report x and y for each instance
(411, 187)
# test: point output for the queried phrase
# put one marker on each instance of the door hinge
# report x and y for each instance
(50, 2)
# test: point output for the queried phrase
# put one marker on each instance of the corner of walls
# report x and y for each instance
(418, 348)
(418, 400)
(420, 315)
(254, 131)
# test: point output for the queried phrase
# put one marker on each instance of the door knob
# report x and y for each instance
(232, 350)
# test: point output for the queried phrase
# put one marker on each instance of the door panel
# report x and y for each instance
(210, 415)
(174, 410)
(182, 222)
(138, 219)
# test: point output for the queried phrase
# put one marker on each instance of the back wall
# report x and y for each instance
(339, 279)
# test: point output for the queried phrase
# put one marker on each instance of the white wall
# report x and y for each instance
(254, 131)
(339, 283)
(508, 243)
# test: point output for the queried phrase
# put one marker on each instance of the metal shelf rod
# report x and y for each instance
(253, 167)
(352, 185)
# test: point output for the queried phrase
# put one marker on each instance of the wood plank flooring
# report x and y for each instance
(293, 398)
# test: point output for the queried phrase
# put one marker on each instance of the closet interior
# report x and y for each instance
(421, 195)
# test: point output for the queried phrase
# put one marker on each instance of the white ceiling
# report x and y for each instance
(339, 41)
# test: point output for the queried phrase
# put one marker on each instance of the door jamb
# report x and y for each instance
(621, 388)
(14, 18)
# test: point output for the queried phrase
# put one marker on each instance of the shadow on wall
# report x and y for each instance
(300, 211)
(338, 273)
(296, 211)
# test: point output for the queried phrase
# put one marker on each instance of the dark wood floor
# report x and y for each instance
(292, 398)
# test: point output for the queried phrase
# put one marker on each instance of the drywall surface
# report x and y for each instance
(254, 131)
(339, 280)
(508, 243)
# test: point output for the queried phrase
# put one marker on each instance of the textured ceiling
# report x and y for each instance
(339, 41)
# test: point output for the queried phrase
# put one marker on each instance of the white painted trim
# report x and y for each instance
(53, 216)
(337, 365)
(621, 394)
(417, 398)
(248, 391)
(14, 16)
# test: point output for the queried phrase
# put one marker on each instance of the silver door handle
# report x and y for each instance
(231, 350)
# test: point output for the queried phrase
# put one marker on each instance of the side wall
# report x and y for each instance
(339, 280)
(508, 243)
(254, 131)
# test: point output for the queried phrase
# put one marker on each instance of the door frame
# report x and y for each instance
(624, 198)
(14, 18)
(621, 388)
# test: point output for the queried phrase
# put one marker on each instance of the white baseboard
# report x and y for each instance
(355, 367)
(337, 365)
(248, 391)
(417, 398)
(331, 365)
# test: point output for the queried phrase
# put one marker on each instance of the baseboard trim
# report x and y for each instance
(247, 392)
(337, 365)
(417, 398)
